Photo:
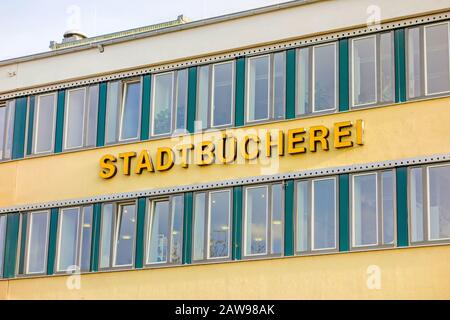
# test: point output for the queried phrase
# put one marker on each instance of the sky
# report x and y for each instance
(28, 26)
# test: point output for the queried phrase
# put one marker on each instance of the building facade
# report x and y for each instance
(277, 153)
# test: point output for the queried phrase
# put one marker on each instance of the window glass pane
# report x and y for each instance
(387, 81)
(162, 103)
(203, 96)
(416, 196)
(159, 233)
(303, 214)
(199, 226)
(364, 71)
(303, 74)
(258, 89)
(277, 219)
(91, 139)
(68, 242)
(112, 110)
(9, 130)
(222, 94)
(126, 230)
(106, 235)
(131, 111)
(439, 210)
(365, 210)
(325, 77)
(74, 118)
(3, 115)
(279, 84)
(176, 246)
(45, 124)
(2, 242)
(219, 224)
(414, 63)
(324, 214)
(182, 93)
(256, 221)
(37, 242)
(86, 238)
(437, 58)
(387, 181)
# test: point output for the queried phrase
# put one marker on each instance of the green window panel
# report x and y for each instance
(146, 96)
(95, 244)
(400, 66)
(103, 88)
(289, 218)
(344, 222)
(237, 224)
(20, 124)
(187, 228)
(240, 92)
(402, 206)
(31, 107)
(290, 83)
(192, 99)
(140, 232)
(59, 132)
(53, 231)
(12, 238)
(343, 75)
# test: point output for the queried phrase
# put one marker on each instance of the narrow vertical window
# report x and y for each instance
(107, 226)
(162, 103)
(258, 88)
(387, 70)
(86, 239)
(199, 225)
(3, 219)
(414, 63)
(125, 235)
(416, 204)
(303, 81)
(388, 206)
(276, 221)
(182, 98)
(203, 97)
(44, 126)
(6, 129)
(439, 203)
(279, 85)
(437, 59)
(303, 216)
(364, 66)
(325, 77)
(223, 93)
(37, 242)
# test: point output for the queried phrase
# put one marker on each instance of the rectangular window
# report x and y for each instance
(169, 102)
(3, 219)
(74, 239)
(37, 242)
(123, 110)
(165, 231)
(81, 117)
(316, 215)
(263, 220)
(118, 234)
(44, 124)
(428, 60)
(266, 87)
(215, 95)
(373, 209)
(317, 79)
(373, 73)
(429, 203)
(6, 129)
(212, 225)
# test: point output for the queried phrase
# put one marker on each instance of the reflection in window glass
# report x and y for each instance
(388, 193)
(437, 58)
(106, 235)
(414, 63)
(417, 204)
(325, 77)
(324, 214)
(6, 129)
(176, 245)
(258, 88)
(37, 242)
(222, 94)
(125, 234)
(44, 123)
(365, 210)
(439, 202)
(219, 224)
(182, 95)
(364, 71)
(159, 233)
(199, 225)
(68, 238)
(303, 84)
(277, 219)
(279, 84)
(91, 134)
(387, 72)
(256, 219)
(2, 242)
(131, 108)
(162, 103)
(86, 239)
(203, 96)
(303, 216)
(112, 110)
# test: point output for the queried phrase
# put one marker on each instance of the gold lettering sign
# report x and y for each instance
(297, 141)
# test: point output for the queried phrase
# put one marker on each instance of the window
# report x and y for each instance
(316, 215)
(74, 239)
(429, 203)
(373, 209)
(6, 129)
(212, 224)
(81, 118)
(263, 220)
(3, 219)
(266, 87)
(165, 231)
(373, 73)
(215, 95)
(317, 79)
(44, 124)
(169, 102)
(118, 234)
(37, 242)
(123, 111)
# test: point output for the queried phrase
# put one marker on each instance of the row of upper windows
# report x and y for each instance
(372, 222)
(371, 82)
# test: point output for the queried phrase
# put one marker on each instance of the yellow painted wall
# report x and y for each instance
(409, 273)
(391, 133)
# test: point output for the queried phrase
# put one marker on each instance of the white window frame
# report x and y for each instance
(36, 123)
(172, 104)
(58, 252)
(212, 94)
(66, 118)
(28, 242)
(336, 78)
(269, 89)
(208, 236)
(6, 136)
(116, 229)
(125, 84)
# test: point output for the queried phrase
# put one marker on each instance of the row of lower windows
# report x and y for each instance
(372, 215)
(371, 82)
